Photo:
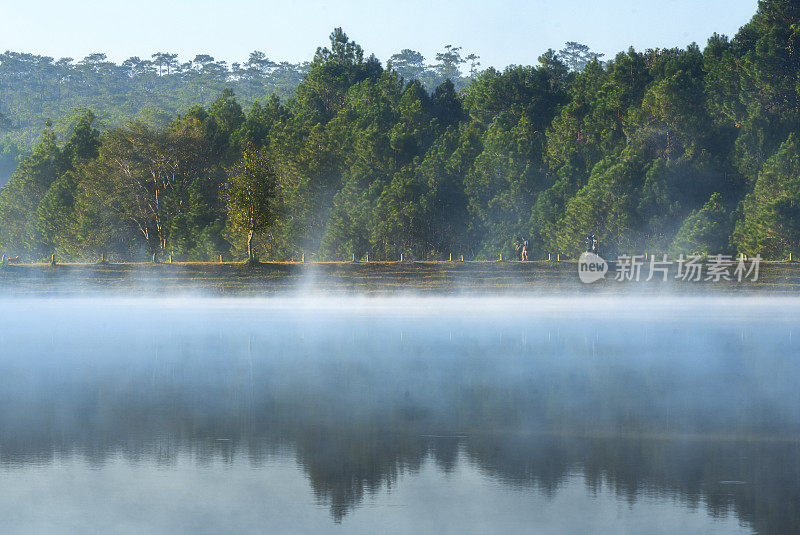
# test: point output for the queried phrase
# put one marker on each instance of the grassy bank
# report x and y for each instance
(368, 278)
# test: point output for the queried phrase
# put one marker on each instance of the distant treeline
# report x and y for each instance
(678, 150)
(36, 88)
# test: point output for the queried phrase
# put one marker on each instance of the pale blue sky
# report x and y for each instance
(501, 32)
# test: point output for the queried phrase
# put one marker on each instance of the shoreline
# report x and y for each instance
(373, 278)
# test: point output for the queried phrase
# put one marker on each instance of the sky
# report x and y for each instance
(501, 32)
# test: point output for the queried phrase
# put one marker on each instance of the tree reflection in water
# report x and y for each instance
(671, 406)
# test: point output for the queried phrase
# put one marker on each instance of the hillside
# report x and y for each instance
(685, 150)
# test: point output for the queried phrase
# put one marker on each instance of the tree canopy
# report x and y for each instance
(663, 150)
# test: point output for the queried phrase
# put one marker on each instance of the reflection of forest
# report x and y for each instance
(358, 403)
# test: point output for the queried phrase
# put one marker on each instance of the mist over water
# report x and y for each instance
(400, 415)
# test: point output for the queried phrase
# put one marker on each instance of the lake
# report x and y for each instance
(400, 415)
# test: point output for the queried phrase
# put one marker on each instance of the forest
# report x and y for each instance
(691, 150)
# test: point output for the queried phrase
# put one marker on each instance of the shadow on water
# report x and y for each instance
(697, 405)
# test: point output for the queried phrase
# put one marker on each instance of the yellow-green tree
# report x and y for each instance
(251, 195)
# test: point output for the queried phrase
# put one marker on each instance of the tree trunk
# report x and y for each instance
(250, 245)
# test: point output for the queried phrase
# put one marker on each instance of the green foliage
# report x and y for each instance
(19, 199)
(704, 231)
(10, 157)
(605, 207)
(250, 195)
(771, 212)
(681, 150)
(34, 88)
(577, 56)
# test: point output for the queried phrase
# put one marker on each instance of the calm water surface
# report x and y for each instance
(400, 415)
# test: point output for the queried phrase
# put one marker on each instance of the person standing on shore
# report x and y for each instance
(518, 248)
